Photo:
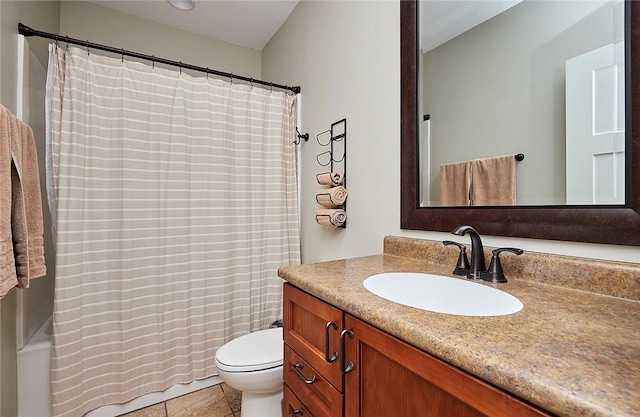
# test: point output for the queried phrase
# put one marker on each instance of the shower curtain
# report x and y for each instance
(176, 202)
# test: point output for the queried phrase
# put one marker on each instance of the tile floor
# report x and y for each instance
(216, 401)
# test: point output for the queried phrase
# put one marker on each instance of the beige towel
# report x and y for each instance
(455, 183)
(330, 178)
(26, 205)
(8, 277)
(331, 197)
(331, 218)
(493, 181)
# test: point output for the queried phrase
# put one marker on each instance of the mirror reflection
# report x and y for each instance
(544, 79)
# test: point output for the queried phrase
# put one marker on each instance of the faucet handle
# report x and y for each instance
(462, 267)
(495, 272)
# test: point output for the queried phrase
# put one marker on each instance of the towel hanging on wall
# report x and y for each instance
(21, 224)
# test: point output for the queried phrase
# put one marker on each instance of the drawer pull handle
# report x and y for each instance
(297, 412)
(334, 356)
(297, 368)
(349, 367)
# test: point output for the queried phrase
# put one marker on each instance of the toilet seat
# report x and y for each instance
(255, 351)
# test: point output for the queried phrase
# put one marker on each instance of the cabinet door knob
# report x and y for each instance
(334, 356)
(348, 367)
(297, 412)
(297, 368)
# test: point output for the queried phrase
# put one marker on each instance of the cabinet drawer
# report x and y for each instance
(314, 391)
(312, 328)
(292, 406)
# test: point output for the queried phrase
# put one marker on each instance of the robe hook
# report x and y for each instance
(301, 136)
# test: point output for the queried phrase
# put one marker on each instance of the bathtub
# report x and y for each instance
(34, 382)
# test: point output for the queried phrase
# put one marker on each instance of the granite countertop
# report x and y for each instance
(570, 352)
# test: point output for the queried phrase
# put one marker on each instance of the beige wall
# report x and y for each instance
(345, 56)
(82, 20)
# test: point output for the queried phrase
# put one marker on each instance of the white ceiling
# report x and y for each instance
(249, 23)
(252, 23)
(443, 20)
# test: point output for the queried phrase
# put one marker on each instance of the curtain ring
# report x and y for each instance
(153, 61)
(231, 78)
(57, 39)
(251, 82)
(180, 67)
(271, 87)
(67, 41)
(122, 55)
(86, 43)
(207, 73)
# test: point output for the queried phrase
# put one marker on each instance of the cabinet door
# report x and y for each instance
(312, 329)
(392, 378)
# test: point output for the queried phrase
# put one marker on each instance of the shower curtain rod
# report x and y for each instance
(27, 31)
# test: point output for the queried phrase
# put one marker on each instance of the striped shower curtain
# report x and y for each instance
(176, 202)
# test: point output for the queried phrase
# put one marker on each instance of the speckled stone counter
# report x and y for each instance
(572, 352)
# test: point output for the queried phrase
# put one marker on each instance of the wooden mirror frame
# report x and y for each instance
(596, 224)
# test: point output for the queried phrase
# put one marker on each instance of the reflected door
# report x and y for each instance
(595, 127)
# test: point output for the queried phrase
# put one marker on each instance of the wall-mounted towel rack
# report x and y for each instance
(335, 159)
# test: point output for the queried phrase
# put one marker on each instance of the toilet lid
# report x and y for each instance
(252, 352)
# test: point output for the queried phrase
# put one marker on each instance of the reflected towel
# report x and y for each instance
(331, 218)
(331, 197)
(493, 181)
(330, 178)
(455, 183)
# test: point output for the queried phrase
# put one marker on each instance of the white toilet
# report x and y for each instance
(253, 364)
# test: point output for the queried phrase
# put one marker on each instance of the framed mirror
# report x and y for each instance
(613, 224)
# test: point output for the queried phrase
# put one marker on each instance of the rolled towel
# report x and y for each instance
(330, 178)
(331, 218)
(331, 197)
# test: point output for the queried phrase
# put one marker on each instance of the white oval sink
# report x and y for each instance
(442, 294)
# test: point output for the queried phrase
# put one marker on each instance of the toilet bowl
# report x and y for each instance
(253, 364)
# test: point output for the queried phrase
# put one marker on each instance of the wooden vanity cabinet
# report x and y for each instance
(385, 376)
